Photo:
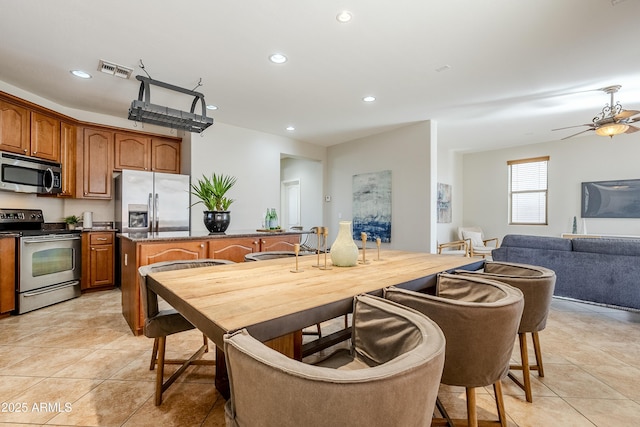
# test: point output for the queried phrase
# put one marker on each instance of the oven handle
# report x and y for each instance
(51, 289)
(45, 239)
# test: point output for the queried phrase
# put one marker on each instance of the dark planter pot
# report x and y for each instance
(217, 222)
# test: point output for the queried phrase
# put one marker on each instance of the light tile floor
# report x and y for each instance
(77, 364)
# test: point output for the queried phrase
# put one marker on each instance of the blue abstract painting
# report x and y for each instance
(372, 205)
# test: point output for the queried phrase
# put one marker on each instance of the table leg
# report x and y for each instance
(222, 377)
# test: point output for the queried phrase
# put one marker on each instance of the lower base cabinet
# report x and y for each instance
(7, 275)
(97, 260)
(134, 254)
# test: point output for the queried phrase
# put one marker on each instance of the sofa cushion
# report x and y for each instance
(607, 246)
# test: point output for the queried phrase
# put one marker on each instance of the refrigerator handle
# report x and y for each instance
(150, 212)
(157, 212)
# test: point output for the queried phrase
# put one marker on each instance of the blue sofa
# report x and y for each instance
(599, 270)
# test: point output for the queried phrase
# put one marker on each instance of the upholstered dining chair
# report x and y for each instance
(479, 318)
(479, 245)
(537, 285)
(260, 256)
(389, 377)
(160, 323)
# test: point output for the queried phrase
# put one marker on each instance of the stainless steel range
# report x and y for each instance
(48, 259)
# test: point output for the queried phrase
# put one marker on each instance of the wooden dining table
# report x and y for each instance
(273, 300)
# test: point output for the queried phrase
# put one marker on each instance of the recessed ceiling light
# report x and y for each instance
(81, 74)
(369, 98)
(290, 128)
(212, 107)
(278, 58)
(344, 16)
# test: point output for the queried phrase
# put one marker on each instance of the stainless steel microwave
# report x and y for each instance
(29, 175)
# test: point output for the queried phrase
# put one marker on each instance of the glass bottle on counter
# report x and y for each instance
(266, 223)
(273, 219)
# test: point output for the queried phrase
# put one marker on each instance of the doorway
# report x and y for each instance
(290, 204)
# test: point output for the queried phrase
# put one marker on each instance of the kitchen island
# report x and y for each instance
(143, 248)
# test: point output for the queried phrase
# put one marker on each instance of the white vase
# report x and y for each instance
(344, 252)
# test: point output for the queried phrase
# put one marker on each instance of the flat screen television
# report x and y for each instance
(611, 199)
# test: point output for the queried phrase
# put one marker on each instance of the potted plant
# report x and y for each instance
(71, 221)
(212, 193)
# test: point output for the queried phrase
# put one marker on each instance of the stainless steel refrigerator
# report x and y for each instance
(151, 202)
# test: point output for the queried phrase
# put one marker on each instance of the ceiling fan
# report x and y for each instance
(612, 120)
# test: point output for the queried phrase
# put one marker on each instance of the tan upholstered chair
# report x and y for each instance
(389, 378)
(457, 247)
(479, 245)
(159, 323)
(537, 284)
(480, 320)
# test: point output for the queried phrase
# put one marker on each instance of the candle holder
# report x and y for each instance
(325, 233)
(319, 232)
(378, 242)
(296, 249)
(363, 236)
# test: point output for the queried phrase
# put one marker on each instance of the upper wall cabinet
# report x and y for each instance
(45, 137)
(28, 132)
(96, 158)
(132, 152)
(68, 141)
(165, 155)
(14, 128)
(144, 153)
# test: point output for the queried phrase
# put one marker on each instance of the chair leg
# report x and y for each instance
(160, 371)
(472, 414)
(319, 330)
(502, 415)
(526, 374)
(205, 341)
(538, 352)
(154, 354)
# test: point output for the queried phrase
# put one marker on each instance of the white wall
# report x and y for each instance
(588, 158)
(450, 172)
(254, 159)
(409, 153)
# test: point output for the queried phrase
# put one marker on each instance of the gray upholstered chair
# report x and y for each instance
(537, 285)
(480, 321)
(260, 256)
(159, 323)
(390, 377)
(479, 245)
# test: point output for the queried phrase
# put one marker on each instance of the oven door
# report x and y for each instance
(48, 260)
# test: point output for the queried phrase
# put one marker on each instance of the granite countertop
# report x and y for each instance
(198, 235)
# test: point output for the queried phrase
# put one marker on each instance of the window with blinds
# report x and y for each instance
(528, 191)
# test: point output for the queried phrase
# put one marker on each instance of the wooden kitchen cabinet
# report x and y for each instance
(278, 243)
(97, 260)
(157, 252)
(7, 275)
(233, 249)
(45, 137)
(96, 170)
(132, 152)
(139, 152)
(14, 128)
(68, 141)
(165, 155)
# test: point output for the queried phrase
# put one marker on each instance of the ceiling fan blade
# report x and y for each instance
(576, 126)
(625, 114)
(575, 134)
(632, 129)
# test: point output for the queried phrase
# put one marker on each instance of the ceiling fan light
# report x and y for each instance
(612, 129)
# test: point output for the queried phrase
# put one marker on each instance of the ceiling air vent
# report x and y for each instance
(114, 69)
(146, 112)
